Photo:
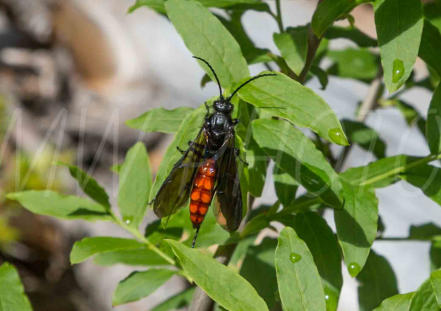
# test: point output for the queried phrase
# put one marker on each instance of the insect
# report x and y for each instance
(207, 169)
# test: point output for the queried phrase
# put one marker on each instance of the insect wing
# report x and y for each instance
(175, 190)
(228, 202)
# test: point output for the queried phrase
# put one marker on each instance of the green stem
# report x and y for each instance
(401, 239)
(135, 232)
(279, 16)
(401, 169)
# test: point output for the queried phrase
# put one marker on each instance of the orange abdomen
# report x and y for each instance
(202, 192)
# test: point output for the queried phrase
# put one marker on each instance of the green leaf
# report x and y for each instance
(135, 181)
(433, 124)
(140, 284)
(89, 185)
(293, 45)
(261, 258)
(432, 12)
(283, 97)
(328, 11)
(430, 46)
(366, 137)
(323, 245)
(130, 257)
(177, 301)
(357, 225)
(377, 281)
(396, 303)
(160, 120)
(299, 281)
(424, 232)
(298, 156)
(350, 33)
(187, 131)
(399, 26)
(435, 254)
(206, 37)
(427, 178)
(353, 63)
(285, 186)
(428, 295)
(325, 250)
(221, 283)
(51, 203)
(88, 247)
(12, 296)
(380, 173)
(157, 5)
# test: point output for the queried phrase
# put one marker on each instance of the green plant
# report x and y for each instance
(301, 270)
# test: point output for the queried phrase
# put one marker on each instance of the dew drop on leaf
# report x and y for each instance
(397, 70)
(294, 257)
(337, 136)
(128, 220)
(354, 269)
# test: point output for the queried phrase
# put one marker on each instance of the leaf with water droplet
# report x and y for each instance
(397, 70)
(354, 269)
(294, 257)
(338, 136)
(291, 278)
(399, 30)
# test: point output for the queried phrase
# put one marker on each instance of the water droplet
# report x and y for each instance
(128, 220)
(331, 299)
(397, 70)
(294, 257)
(337, 136)
(354, 269)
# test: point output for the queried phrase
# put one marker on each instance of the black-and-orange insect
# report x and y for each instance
(206, 168)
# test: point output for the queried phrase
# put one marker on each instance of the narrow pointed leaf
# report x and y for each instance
(177, 301)
(299, 282)
(328, 11)
(350, 33)
(357, 225)
(160, 120)
(140, 284)
(428, 295)
(285, 98)
(206, 37)
(399, 25)
(396, 303)
(221, 283)
(293, 45)
(427, 178)
(88, 247)
(12, 296)
(366, 137)
(130, 257)
(135, 181)
(323, 245)
(51, 203)
(89, 185)
(377, 281)
(430, 46)
(285, 186)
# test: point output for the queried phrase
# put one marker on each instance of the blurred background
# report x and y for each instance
(72, 72)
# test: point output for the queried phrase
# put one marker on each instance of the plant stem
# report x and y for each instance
(401, 169)
(279, 16)
(400, 239)
(135, 232)
(313, 44)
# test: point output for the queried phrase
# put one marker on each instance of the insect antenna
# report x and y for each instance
(214, 73)
(195, 237)
(248, 81)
